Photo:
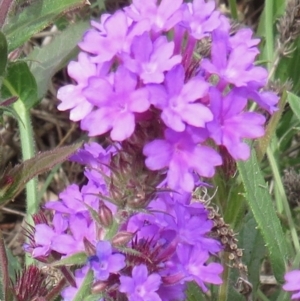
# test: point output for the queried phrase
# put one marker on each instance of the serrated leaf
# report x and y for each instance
(261, 205)
(75, 259)
(14, 179)
(294, 102)
(46, 61)
(34, 18)
(194, 293)
(3, 53)
(20, 82)
(85, 288)
(251, 241)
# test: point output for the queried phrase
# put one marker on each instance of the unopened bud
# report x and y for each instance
(89, 247)
(173, 279)
(122, 238)
(99, 286)
(105, 216)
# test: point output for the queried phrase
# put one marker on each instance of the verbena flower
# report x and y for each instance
(292, 284)
(141, 286)
(105, 262)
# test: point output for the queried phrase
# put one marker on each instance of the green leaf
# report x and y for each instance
(260, 202)
(251, 241)
(85, 288)
(20, 82)
(49, 59)
(34, 18)
(14, 179)
(75, 259)
(294, 102)
(3, 53)
(194, 292)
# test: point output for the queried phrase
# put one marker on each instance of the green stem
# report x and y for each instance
(269, 32)
(223, 289)
(233, 9)
(28, 151)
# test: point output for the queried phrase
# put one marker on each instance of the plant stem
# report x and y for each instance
(233, 9)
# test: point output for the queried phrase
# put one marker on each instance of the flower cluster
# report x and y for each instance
(165, 104)
(144, 63)
(152, 255)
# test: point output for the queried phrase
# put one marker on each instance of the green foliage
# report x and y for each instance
(263, 210)
(32, 19)
(14, 179)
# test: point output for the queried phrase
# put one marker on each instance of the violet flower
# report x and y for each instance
(151, 59)
(231, 124)
(116, 105)
(178, 100)
(292, 284)
(181, 154)
(105, 262)
(141, 286)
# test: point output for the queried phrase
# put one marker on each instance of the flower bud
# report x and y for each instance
(122, 238)
(89, 247)
(105, 216)
(99, 286)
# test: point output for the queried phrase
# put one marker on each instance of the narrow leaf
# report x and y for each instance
(20, 82)
(14, 179)
(85, 288)
(3, 53)
(75, 259)
(260, 202)
(294, 102)
(46, 61)
(34, 18)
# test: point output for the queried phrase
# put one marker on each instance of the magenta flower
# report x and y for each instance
(151, 59)
(182, 155)
(71, 96)
(45, 235)
(116, 104)
(235, 66)
(231, 124)
(141, 286)
(178, 100)
(161, 17)
(194, 267)
(115, 36)
(105, 262)
(292, 284)
(201, 18)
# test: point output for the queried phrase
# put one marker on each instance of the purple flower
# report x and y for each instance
(80, 228)
(201, 18)
(193, 229)
(178, 100)
(161, 17)
(71, 96)
(231, 124)
(182, 155)
(45, 235)
(193, 266)
(72, 200)
(292, 284)
(235, 66)
(105, 262)
(141, 286)
(116, 104)
(115, 36)
(151, 59)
